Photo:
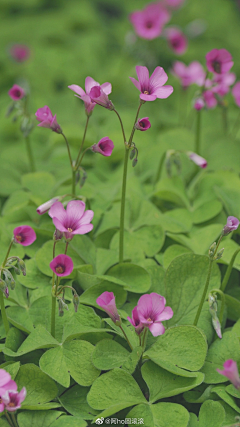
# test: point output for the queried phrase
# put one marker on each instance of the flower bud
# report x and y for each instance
(57, 235)
(132, 154)
(21, 265)
(75, 302)
(83, 178)
(212, 250)
(219, 254)
(9, 279)
(61, 307)
(4, 288)
(232, 224)
(17, 270)
(134, 162)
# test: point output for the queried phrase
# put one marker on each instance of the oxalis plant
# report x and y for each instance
(119, 295)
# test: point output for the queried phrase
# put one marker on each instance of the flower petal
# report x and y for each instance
(136, 83)
(83, 229)
(166, 314)
(107, 88)
(59, 225)
(89, 83)
(77, 89)
(87, 217)
(145, 97)
(157, 79)
(75, 209)
(164, 92)
(157, 329)
(57, 211)
(143, 77)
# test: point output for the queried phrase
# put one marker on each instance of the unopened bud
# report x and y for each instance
(4, 288)
(132, 154)
(212, 250)
(83, 179)
(57, 235)
(77, 177)
(75, 302)
(17, 270)
(9, 279)
(26, 126)
(219, 254)
(61, 307)
(22, 266)
(134, 162)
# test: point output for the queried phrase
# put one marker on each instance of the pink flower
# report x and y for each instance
(98, 96)
(209, 99)
(12, 399)
(143, 124)
(152, 88)
(24, 235)
(44, 115)
(199, 103)
(188, 75)
(72, 221)
(42, 209)
(232, 224)
(135, 321)
(89, 84)
(231, 372)
(176, 40)
(198, 160)
(62, 265)
(222, 82)
(148, 23)
(105, 147)
(20, 52)
(152, 311)
(219, 61)
(236, 93)
(6, 383)
(16, 92)
(107, 301)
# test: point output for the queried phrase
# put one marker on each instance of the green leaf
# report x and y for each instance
(211, 414)
(233, 306)
(40, 184)
(74, 401)
(131, 363)
(169, 415)
(37, 418)
(14, 339)
(199, 239)
(185, 281)
(85, 248)
(230, 414)
(162, 383)
(193, 421)
(61, 362)
(206, 211)
(220, 351)
(17, 200)
(177, 221)
(172, 252)
(40, 388)
(230, 389)
(12, 368)
(180, 347)
(142, 412)
(109, 354)
(221, 392)
(114, 391)
(34, 278)
(172, 190)
(136, 278)
(20, 318)
(199, 394)
(84, 321)
(68, 421)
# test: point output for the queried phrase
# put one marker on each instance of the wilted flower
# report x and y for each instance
(107, 301)
(177, 41)
(232, 224)
(148, 23)
(47, 120)
(105, 147)
(143, 124)
(84, 96)
(135, 321)
(62, 265)
(19, 52)
(24, 235)
(231, 372)
(198, 160)
(152, 311)
(16, 92)
(219, 61)
(72, 221)
(152, 88)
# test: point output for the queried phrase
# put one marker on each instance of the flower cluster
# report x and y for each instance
(10, 399)
(149, 24)
(149, 313)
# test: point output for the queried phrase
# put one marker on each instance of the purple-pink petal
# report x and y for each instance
(87, 217)
(77, 89)
(75, 210)
(143, 77)
(57, 211)
(146, 97)
(157, 79)
(107, 88)
(62, 265)
(5, 377)
(164, 91)
(89, 83)
(83, 229)
(157, 329)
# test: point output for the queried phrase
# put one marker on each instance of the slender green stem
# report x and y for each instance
(204, 293)
(229, 270)
(66, 248)
(133, 129)
(81, 147)
(14, 420)
(144, 338)
(198, 132)
(159, 170)
(68, 148)
(73, 182)
(126, 337)
(30, 154)
(8, 252)
(121, 123)
(122, 213)
(224, 119)
(80, 161)
(8, 418)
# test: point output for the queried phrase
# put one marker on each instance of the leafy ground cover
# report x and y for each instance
(79, 363)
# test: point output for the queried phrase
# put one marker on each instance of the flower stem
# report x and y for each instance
(73, 182)
(126, 337)
(224, 119)
(3, 310)
(198, 132)
(121, 123)
(144, 338)
(66, 248)
(8, 418)
(83, 140)
(30, 154)
(80, 161)
(229, 270)
(68, 148)
(8, 252)
(122, 213)
(133, 129)
(14, 420)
